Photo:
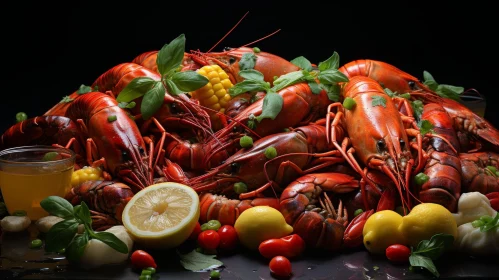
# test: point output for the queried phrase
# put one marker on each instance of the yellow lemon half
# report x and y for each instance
(162, 215)
(381, 230)
(260, 223)
(426, 220)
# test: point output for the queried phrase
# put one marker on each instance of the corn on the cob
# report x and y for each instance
(87, 173)
(214, 94)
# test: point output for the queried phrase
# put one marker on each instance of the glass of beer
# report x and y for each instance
(29, 174)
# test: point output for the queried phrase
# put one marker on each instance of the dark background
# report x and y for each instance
(51, 49)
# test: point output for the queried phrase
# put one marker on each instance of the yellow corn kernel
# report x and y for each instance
(87, 173)
(213, 95)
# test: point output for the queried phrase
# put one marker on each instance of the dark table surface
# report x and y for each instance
(17, 261)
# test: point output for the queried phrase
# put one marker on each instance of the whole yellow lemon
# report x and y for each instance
(381, 230)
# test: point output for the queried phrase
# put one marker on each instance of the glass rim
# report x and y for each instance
(46, 148)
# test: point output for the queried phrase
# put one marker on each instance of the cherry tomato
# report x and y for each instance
(195, 232)
(398, 253)
(209, 239)
(228, 237)
(141, 260)
(280, 266)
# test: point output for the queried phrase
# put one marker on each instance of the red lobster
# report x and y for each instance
(114, 140)
(479, 172)
(443, 166)
(107, 198)
(377, 134)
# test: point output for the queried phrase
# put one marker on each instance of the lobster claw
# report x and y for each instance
(494, 200)
(353, 234)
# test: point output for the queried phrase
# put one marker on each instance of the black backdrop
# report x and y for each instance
(50, 49)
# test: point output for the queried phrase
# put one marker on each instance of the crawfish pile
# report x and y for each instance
(362, 136)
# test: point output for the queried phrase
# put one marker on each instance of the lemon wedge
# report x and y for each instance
(162, 215)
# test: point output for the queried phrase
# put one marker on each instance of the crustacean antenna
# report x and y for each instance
(226, 34)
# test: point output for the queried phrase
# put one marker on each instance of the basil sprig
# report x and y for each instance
(63, 235)
(486, 223)
(429, 250)
(446, 91)
(327, 74)
(173, 81)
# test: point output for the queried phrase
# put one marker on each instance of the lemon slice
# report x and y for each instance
(162, 215)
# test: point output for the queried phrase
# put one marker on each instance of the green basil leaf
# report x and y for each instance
(425, 262)
(288, 79)
(428, 77)
(66, 99)
(84, 89)
(57, 206)
(303, 63)
(417, 107)
(491, 224)
(389, 92)
(425, 126)
(316, 89)
(60, 235)
(431, 84)
(449, 91)
(126, 105)
(251, 74)
(248, 86)
(332, 62)
(196, 261)
(248, 61)
(83, 214)
(333, 91)
(171, 55)
(188, 81)
(332, 76)
(136, 88)
(434, 247)
(112, 241)
(272, 105)
(152, 101)
(171, 88)
(77, 247)
(378, 101)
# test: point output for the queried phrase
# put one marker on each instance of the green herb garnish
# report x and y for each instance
(446, 91)
(425, 126)
(66, 99)
(196, 261)
(63, 235)
(378, 101)
(173, 81)
(429, 250)
(421, 178)
(486, 223)
(248, 61)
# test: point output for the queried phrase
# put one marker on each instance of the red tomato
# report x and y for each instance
(195, 232)
(398, 253)
(288, 246)
(228, 237)
(280, 266)
(141, 259)
(209, 239)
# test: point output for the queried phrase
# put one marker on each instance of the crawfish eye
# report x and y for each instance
(232, 60)
(234, 167)
(402, 143)
(174, 108)
(381, 145)
(412, 85)
(124, 155)
(226, 49)
(141, 150)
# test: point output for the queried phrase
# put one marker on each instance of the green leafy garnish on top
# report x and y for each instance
(173, 81)
(328, 78)
(425, 126)
(447, 91)
(486, 223)
(378, 101)
(196, 261)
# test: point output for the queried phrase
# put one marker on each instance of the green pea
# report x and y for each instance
(286, 130)
(357, 212)
(421, 178)
(21, 116)
(112, 118)
(246, 141)
(406, 95)
(19, 213)
(146, 272)
(215, 274)
(145, 277)
(37, 243)
(240, 187)
(151, 269)
(270, 152)
(50, 156)
(211, 224)
(349, 103)
(256, 49)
